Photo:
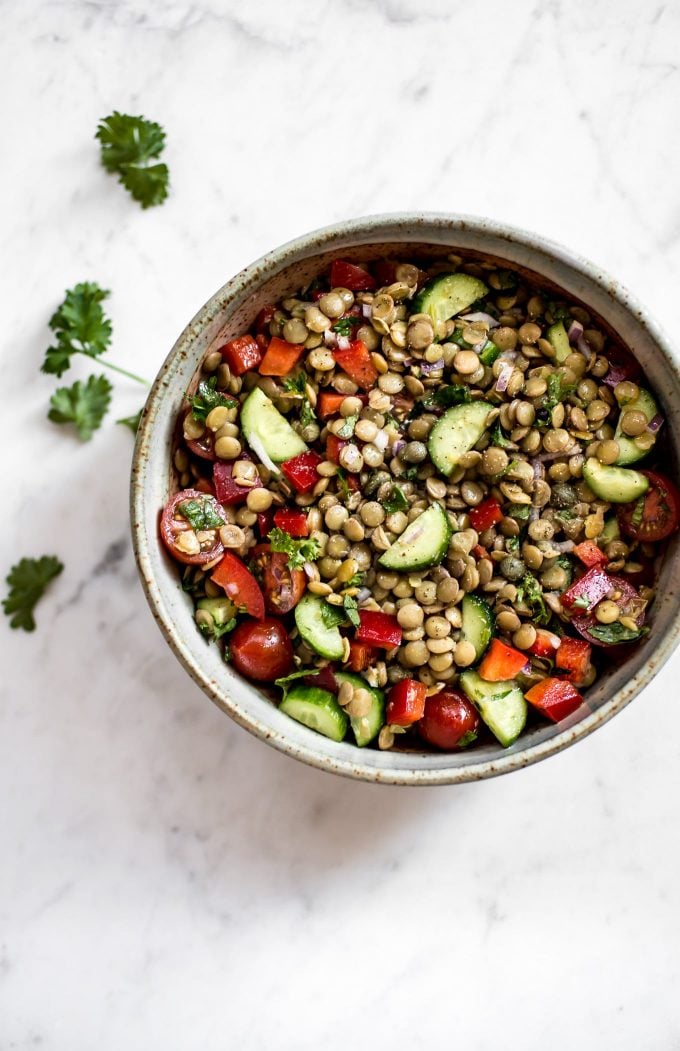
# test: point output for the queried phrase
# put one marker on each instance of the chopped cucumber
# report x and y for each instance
(611, 530)
(365, 727)
(322, 635)
(628, 450)
(477, 626)
(267, 431)
(447, 294)
(559, 340)
(456, 432)
(501, 705)
(423, 543)
(317, 709)
(616, 485)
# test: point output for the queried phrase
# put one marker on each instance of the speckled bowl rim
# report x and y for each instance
(363, 229)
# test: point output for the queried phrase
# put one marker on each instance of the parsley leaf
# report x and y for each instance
(128, 145)
(301, 673)
(215, 630)
(81, 327)
(638, 512)
(351, 608)
(201, 514)
(332, 616)
(298, 551)
(498, 438)
(344, 325)
(529, 590)
(132, 421)
(297, 385)
(27, 582)
(557, 391)
(208, 398)
(519, 511)
(467, 739)
(565, 515)
(512, 544)
(452, 394)
(395, 500)
(84, 405)
(488, 355)
(615, 633)
(347, 429)
(558, 312)
(344, 491)
(581, 603)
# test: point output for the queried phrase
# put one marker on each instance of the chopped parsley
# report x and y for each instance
(519, 511)
(347, 429)
(581, 603)
(638, 512)
(615, 633)
(82, 404)
(215, 630)
(498, 438)
(128, 146)
(344, 325)
(297, 385)
(201, 514)
(558, 390)
(298, 551)
(351, 608)
(301, 673)
(207, 398)
(529, 591)
(27, 582)
(395, 500)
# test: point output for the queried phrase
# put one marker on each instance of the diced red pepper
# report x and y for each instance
(590, 554)
(280, 357)
(480, 552)
(333, 447)
(573, 656)
(262, 320)
(546, 644)
(302, 472)
(406, 702)
(293, 521)
(242, 354)
(555, 698)
(239, 585)
(486, 514)
(379, 629)
(348, 275)
(356, 361)
(226, 489)
(360, 656)
(501, 662)
(265, 521)
(588, 590)
(329, 402)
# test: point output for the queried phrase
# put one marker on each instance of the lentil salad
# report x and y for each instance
(408, 496)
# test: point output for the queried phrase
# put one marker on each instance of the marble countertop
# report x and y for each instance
(167, 880)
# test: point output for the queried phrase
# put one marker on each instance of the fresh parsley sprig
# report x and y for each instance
(82, 404)
(129, 146)
(298, 551)
(208, 398)
(27, 582)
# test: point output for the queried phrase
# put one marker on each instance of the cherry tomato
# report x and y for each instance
(656, 514)
(583, 622)
(203, 446)
(283, 587)
(261, 650)
(194, 547)
(450, 720)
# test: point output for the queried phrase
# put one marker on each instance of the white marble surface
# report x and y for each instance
(166, 880)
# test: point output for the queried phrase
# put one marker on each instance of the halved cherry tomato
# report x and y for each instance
(627, 602)
(449, 720)
(555, 698)
(656, 514)
(283, 587)
(175, 526)
(348, 275)
(588, 590)
(261, 649)
(239, 585)
(293, 521)
(406, 702)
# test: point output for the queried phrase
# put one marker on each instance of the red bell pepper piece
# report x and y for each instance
(479, 552)
(294, 522)
(501, 662)
(242, 354)
(356, 361)
(379, 629)
(590, 554)
(226, 489)
(360, 656)
(546, 644)
(240, 585)
(348, 275)
(588, 590)
(333, 447)
(262, 320)
(302, 472)
(486, 514)
(280, 357)
(265, 521)
(555, 698)
(574, 656)
(406, 702)
(329, 402)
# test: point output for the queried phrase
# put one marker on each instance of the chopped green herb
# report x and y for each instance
(301, 673)
(395, 500)
(615, 633)
(638, 512)
(208, 398)
(506, 280)
(344, 491)
(581, 603)
(297, 385)
(128, 145)
(558, 312)
(530, 591)
(347, 429)
(82, 404)
(565, 515)
(352, 610)
(215, 631)
(332, 616)
(132, 421)
(344, 325)
(519, 511)
(498, 438)
(446, 397)
(467, 739)
(512, 544)
(356, 581)
(489, 353)
(558, 390)
(80, 325)
(27, 582)
(201, 513)
(298, 551)
(410, 474)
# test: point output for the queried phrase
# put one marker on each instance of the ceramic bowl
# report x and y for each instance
(229, 313)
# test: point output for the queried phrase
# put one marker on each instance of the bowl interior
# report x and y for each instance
(231, 312)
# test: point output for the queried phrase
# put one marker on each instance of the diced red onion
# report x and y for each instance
(539, 469)
(380, 441)
(398, 446)
(343, 343)
(363, 594)
(534, 513)
(548, 457)
(575, 331)
(584, 347)
(431, 366)
(367, 309)
(310, 569)
(504, 376)
(479, 315)
(655, 424)
(564, 546)
(330, 338)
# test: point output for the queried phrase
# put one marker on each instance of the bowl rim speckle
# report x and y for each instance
(364, 231)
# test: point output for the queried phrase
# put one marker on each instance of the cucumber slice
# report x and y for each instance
(366, 727)
(559, 340)
(477, 626)
(266, 430)
(456, 432)
(500, 704)
(317, 709)
(447, 294)
(629, 452)
(616, 485)
(611, 530)
(423, 543)
(322, 637)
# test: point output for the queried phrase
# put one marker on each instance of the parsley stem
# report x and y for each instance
(123, 372)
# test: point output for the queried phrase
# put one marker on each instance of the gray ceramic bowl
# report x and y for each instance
(230, 312)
